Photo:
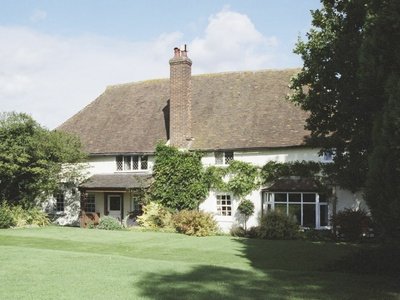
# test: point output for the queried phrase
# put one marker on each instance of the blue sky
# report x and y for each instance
(58, 56)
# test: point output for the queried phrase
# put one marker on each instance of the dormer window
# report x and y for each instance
(132, 162)
(223, 158)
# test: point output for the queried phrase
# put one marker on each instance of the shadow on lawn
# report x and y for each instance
(279, 272)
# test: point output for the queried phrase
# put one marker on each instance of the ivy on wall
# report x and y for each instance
(179, 178)
(181, 182)
(239, 178)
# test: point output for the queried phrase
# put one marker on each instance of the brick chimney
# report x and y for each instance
(180, 99)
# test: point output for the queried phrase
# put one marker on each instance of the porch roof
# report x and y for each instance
(293, 184)
(117, 181)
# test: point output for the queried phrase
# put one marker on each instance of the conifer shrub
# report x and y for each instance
(193, 222)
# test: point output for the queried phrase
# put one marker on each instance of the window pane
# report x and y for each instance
(115, 203)
(309, 197)
(143, 162)
(224, 205)
(135, 162)
(294, 197)
(218, 158)
(90, 205)
(228, 157)
(309, 215)
(323, 215)
(127, 162)
(322, 198)
(295, 212)
(119, 163)
(280, 197)
(59, 201)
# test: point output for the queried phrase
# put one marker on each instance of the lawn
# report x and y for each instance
(74, 263)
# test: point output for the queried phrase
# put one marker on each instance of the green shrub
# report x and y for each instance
(17, 216)
(237, 231)
(253, 232)
(276, 225)
(193, 222)
(317, 235)
(109, 223)
(36, 216)
(30, 216)
(6, 216)
(351, 224)
(155, 216)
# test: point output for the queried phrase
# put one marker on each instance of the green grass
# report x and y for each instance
(73, 263)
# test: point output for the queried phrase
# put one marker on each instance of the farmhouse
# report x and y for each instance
(229, 116)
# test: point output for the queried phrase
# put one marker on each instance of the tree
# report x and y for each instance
(179, 178)
(32, 158)
(350, 85)
(381, 80)
(246, 208)
(327, 87)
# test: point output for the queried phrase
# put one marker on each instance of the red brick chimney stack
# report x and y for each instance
(180, 99)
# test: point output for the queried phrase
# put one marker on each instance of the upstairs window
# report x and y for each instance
(132, 162)
(223, 158)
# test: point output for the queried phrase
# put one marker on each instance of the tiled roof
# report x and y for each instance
(238, 110)
(117, 181)
(293, 184)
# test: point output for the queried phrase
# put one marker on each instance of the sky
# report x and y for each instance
(57, 56)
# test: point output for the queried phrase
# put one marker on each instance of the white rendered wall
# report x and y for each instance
(259, 158)
(347, 199)
(107, 165)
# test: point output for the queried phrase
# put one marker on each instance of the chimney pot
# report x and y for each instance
(177, 52)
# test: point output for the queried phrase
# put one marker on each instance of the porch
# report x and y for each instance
(115, 195)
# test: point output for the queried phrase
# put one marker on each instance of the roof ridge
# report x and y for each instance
(118, 85)
(249, 71)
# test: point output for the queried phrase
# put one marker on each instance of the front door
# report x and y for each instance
(114, 206)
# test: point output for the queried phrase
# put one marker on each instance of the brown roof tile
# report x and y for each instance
(115, 181)
(236, 110)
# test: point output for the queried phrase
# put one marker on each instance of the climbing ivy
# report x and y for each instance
(179, 178)
(272, 170)
(239, 177)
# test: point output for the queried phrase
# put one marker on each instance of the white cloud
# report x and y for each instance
(53, 77)
(38, 15)
(231, 42)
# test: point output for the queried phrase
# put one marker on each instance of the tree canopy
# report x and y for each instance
(350, 84)
(32, 158)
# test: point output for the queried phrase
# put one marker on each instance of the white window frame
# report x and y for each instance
(228, 211)
(222, 159)
(126, 163)
(269, 204)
